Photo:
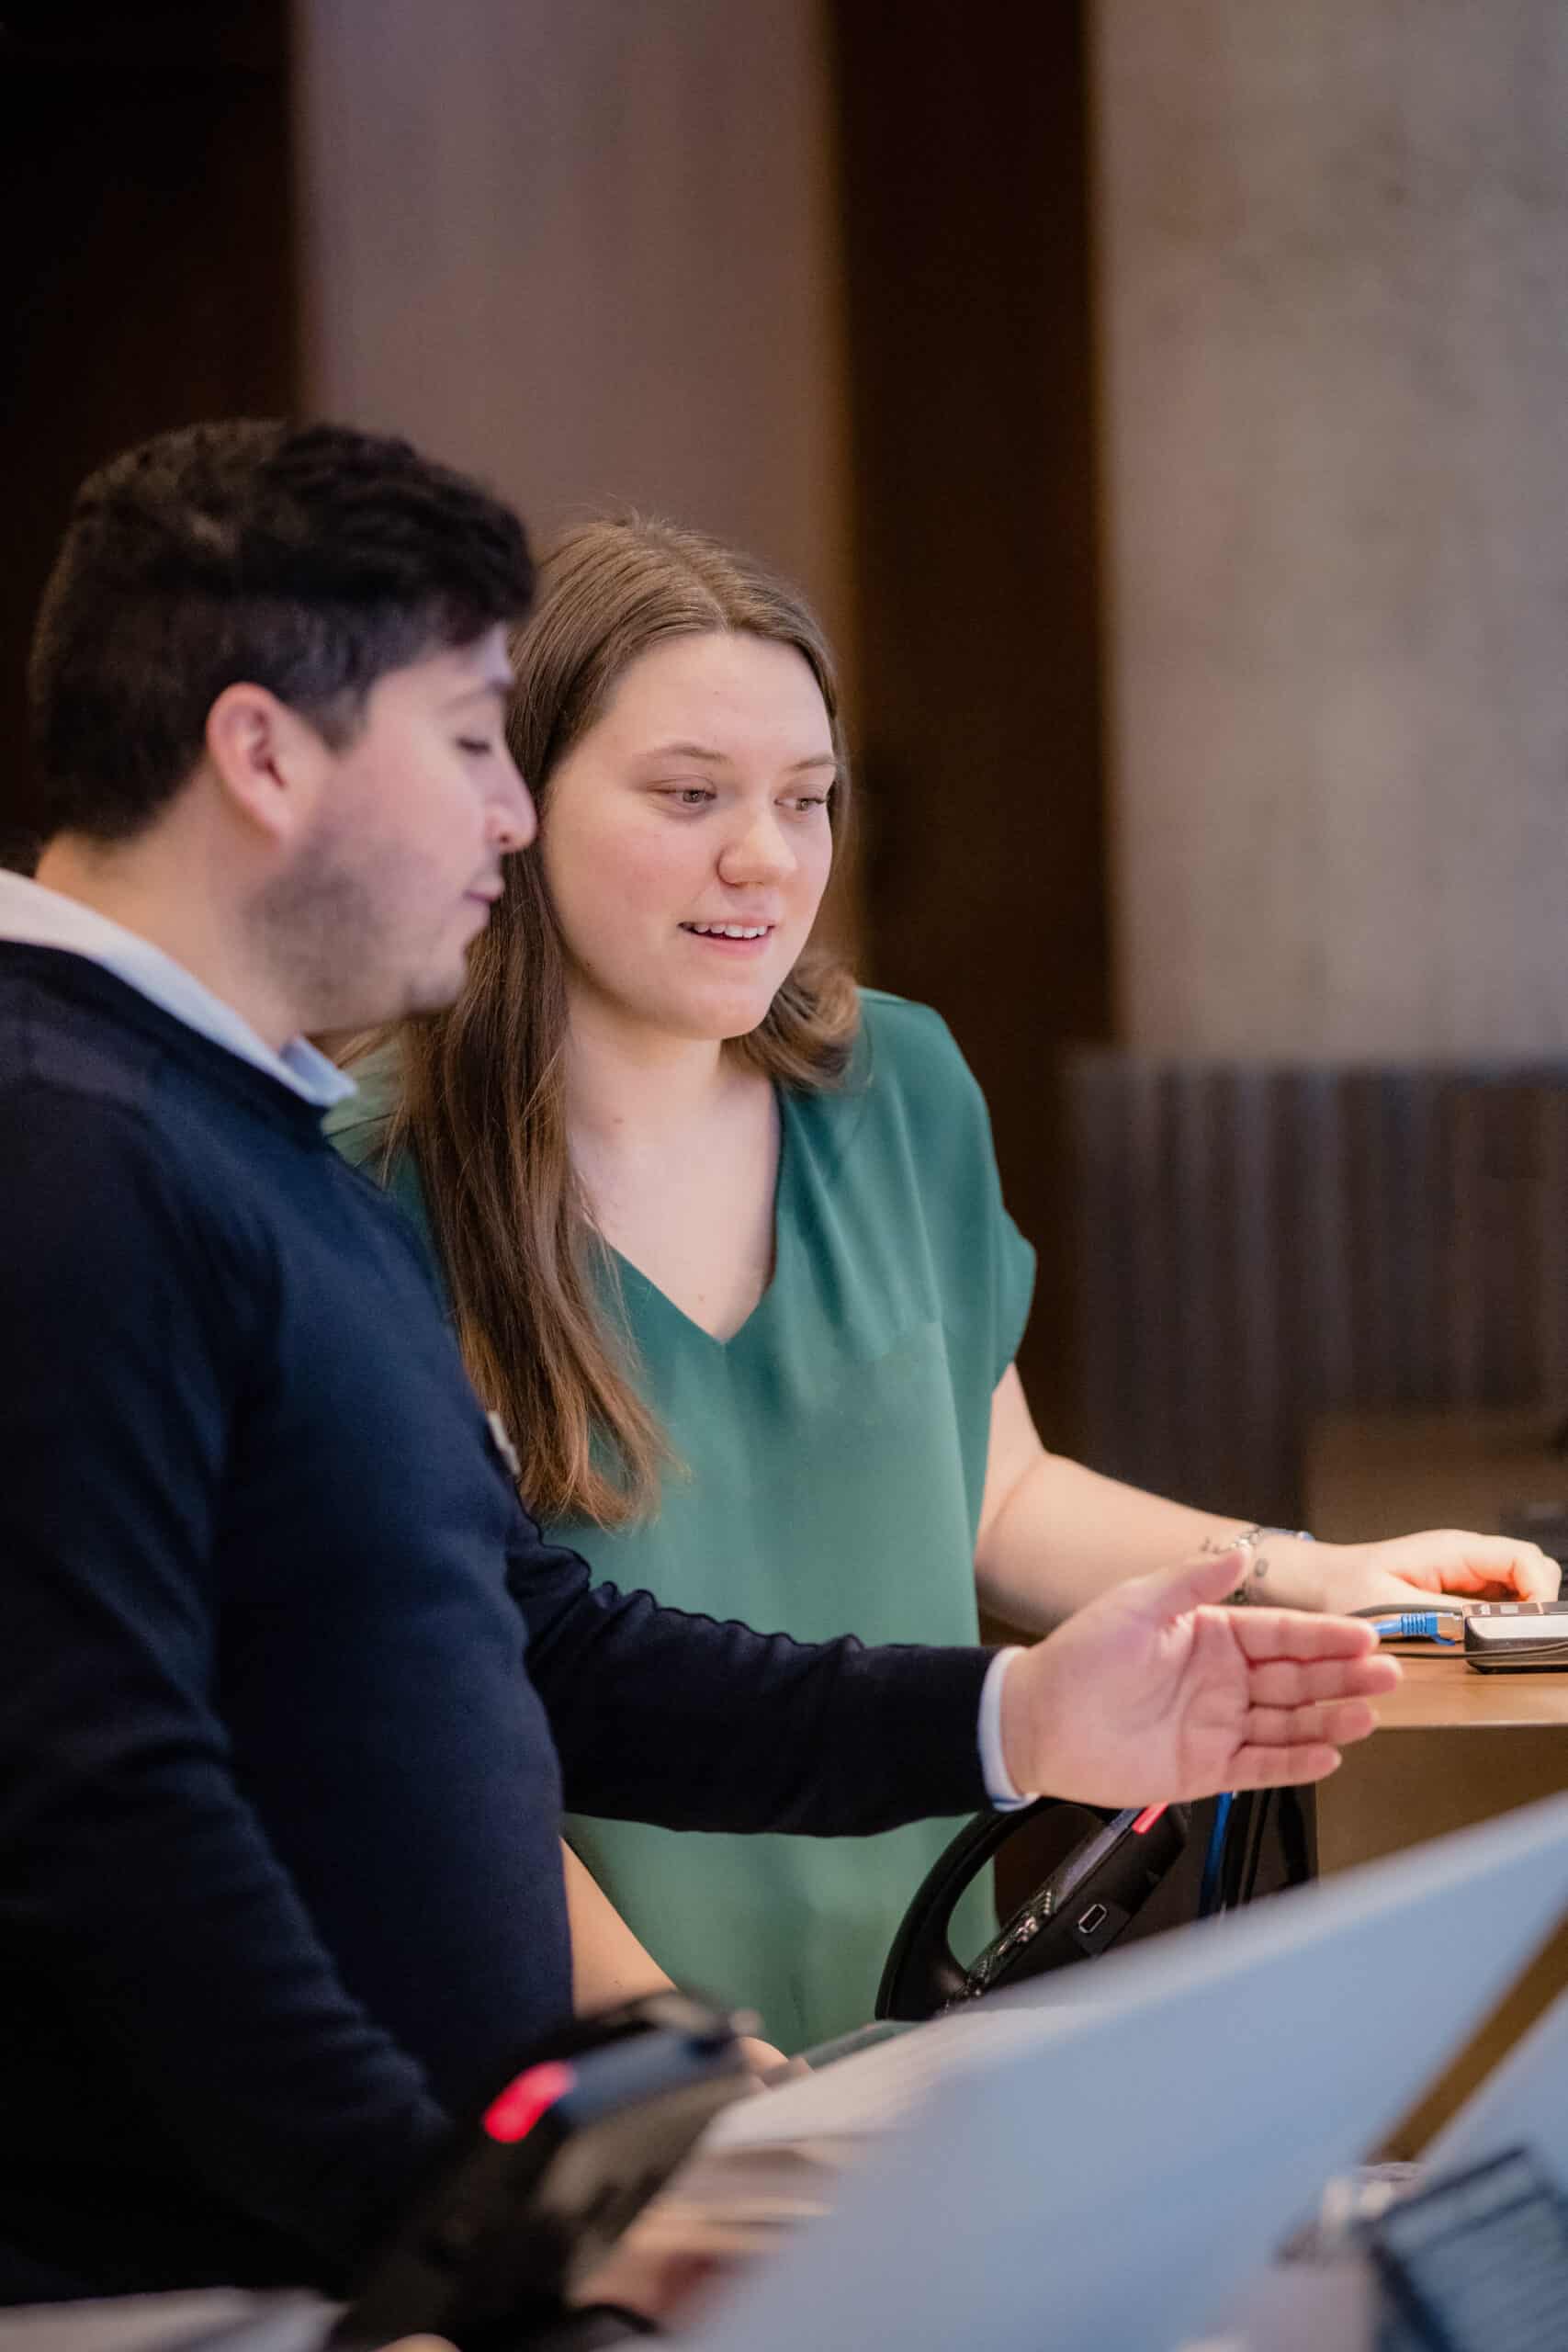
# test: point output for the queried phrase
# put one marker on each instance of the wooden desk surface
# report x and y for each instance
(1451, 1746)
(1444, 1694)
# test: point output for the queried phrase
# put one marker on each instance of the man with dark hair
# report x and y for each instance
(290, 1685)
(310, 563)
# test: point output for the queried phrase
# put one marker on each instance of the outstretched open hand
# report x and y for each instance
(1151, 1693)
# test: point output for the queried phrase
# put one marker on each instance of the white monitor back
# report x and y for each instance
(1522, 2103)
(1106, 2187)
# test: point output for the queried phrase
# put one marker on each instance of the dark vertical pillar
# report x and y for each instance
(963, 147)
(149, 263)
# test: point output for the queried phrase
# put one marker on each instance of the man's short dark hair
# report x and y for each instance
(309, 559)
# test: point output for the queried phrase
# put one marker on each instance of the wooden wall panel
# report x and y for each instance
(590, 250)
(149, 260)
(1259, 1245)
(973, 479)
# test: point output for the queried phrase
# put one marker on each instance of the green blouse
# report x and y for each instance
(832, 1457)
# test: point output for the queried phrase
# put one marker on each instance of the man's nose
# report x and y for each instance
(513, 819)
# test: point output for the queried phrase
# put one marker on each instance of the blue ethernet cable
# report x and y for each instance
(1214, 1858)
(1407, 1625)
(1413, 1625)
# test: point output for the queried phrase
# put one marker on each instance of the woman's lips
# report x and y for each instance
(723, 940)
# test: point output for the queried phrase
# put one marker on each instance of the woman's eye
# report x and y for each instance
(689, 795)
(804, 801)
(476, 744)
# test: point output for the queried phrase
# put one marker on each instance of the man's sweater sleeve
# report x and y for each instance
(124, 1845)
(696, 1723)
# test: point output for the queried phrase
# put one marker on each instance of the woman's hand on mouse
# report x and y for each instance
(1406, 1571)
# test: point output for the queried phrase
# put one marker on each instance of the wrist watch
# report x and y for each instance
(1249, 1539)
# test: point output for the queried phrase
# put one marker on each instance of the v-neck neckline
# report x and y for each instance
(625, 1265)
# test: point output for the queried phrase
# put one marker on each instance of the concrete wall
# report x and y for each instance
(1332, 271)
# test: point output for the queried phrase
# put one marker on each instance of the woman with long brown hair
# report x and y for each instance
(726, 1247)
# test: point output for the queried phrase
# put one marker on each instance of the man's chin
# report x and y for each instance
(435, 991)
(399, 1000)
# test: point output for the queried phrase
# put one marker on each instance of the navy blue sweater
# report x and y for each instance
(280, 1796)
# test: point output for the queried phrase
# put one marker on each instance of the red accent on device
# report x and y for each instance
(1146, 1819)
(513, 2112)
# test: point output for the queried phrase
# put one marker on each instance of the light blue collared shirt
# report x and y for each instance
(35, 917)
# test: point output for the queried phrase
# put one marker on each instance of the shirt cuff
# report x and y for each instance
(993, 1764)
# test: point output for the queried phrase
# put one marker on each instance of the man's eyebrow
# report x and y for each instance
(721, 758)
(499, 686)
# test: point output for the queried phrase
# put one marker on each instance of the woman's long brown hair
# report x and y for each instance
(483, 1086)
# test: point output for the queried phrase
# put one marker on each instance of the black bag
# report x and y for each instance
(1075, 1913)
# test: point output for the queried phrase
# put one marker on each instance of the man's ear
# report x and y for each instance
(269, 761)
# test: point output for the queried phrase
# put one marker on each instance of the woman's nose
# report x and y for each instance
(757, 853)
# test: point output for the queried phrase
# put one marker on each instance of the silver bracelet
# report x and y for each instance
(1247, 1539)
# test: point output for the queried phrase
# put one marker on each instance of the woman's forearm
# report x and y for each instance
(1053, 1534)
(1063, 1533)
(608, 1964)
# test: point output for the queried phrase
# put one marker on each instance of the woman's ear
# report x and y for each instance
(269, 762)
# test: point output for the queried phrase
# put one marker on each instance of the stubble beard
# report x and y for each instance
(321, 927)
